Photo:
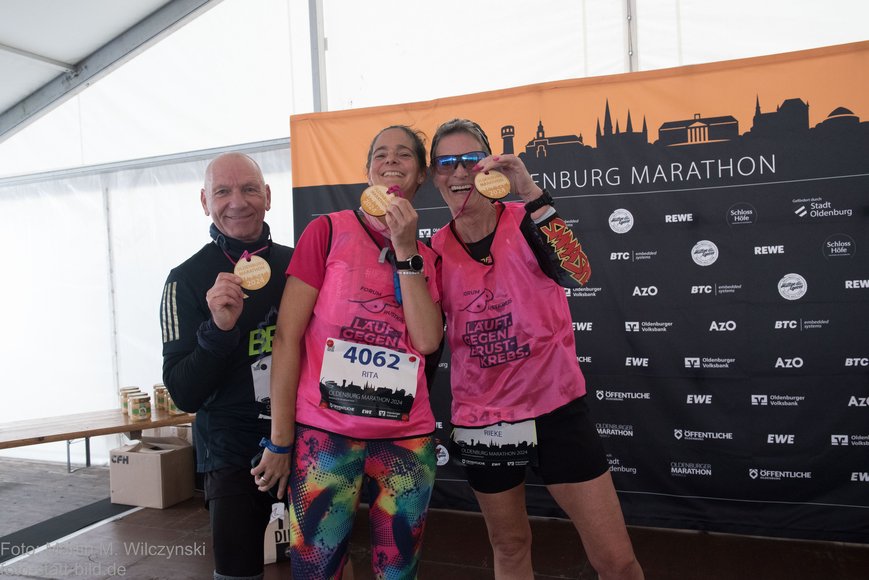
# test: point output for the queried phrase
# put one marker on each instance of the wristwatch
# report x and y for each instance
(413, 264)
(536, 204)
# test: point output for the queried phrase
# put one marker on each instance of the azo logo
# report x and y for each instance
(645, 291)
(785, 324)
(632, 326)
(620, 256)
(856, 284)
(858, 402)
(582, 326)
(699, 400)
(780, 439)
(728, 326)
(838, 440)
(692, 362)
(678, 217)
(761, 400)
(636, 362)
(789, 363)
(857, 362)
(701, 289)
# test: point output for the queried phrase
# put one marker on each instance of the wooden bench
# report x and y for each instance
(82, 426)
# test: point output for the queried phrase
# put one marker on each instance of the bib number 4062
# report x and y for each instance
(366, 356)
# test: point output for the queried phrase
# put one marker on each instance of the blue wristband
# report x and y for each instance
(265, 442)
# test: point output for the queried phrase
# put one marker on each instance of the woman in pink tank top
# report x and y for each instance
(518, 392)
(359, 315)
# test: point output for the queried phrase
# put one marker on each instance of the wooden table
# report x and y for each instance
(83, 425)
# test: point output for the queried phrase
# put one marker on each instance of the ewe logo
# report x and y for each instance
(704, 253)
(621, 221)
(792, 287)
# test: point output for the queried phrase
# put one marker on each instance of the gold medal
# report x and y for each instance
(253, 271)
(375, 200)
(493, 185)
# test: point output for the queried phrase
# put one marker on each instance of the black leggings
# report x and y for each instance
(238, 523)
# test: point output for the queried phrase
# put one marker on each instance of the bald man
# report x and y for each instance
(218, 315)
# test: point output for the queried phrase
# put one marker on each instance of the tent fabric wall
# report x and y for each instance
(84, 320)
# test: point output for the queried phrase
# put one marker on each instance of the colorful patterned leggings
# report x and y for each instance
(325, 488)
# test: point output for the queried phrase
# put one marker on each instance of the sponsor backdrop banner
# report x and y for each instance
(725, 212)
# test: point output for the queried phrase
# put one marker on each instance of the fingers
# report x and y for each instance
(225, 300)
(272, 469)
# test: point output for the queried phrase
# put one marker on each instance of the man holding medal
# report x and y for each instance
(218, 315)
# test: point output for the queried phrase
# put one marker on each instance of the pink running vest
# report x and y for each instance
(357, 304)
(509, 330)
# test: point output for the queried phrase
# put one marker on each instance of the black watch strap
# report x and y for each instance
(414, 264)
(536, 204)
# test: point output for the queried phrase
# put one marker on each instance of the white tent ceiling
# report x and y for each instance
(50, 50)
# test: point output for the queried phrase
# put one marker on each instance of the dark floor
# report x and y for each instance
(455, 547)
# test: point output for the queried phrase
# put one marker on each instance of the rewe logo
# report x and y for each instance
(699, 400)
(678, 217)
(857, 362)
(701, 289)
(780, 439)
(645, 291)
(856, 284)
(636, 362)
(785, 324)
(838, 440)
(582, 326)
(789, 363)
(728, 326)
(620, 256)
(764, 250)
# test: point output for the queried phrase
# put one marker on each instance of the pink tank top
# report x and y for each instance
(509, 330)
(357, 311)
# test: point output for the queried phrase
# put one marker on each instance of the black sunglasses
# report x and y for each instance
(448, 163)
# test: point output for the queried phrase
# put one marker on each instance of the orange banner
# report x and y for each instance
(330, 148)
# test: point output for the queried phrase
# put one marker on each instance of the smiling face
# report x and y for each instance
(236, 196)
(455, 186)
(394, 161)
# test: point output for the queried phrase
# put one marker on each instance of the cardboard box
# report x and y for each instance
(155, 472)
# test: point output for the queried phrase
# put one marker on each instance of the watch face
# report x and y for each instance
(416, 263)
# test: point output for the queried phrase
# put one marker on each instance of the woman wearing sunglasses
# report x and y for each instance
(518, 392)
(359, 315)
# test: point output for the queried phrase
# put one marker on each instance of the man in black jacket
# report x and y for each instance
(218, 316)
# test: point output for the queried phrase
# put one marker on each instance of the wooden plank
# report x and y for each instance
(76, 426)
